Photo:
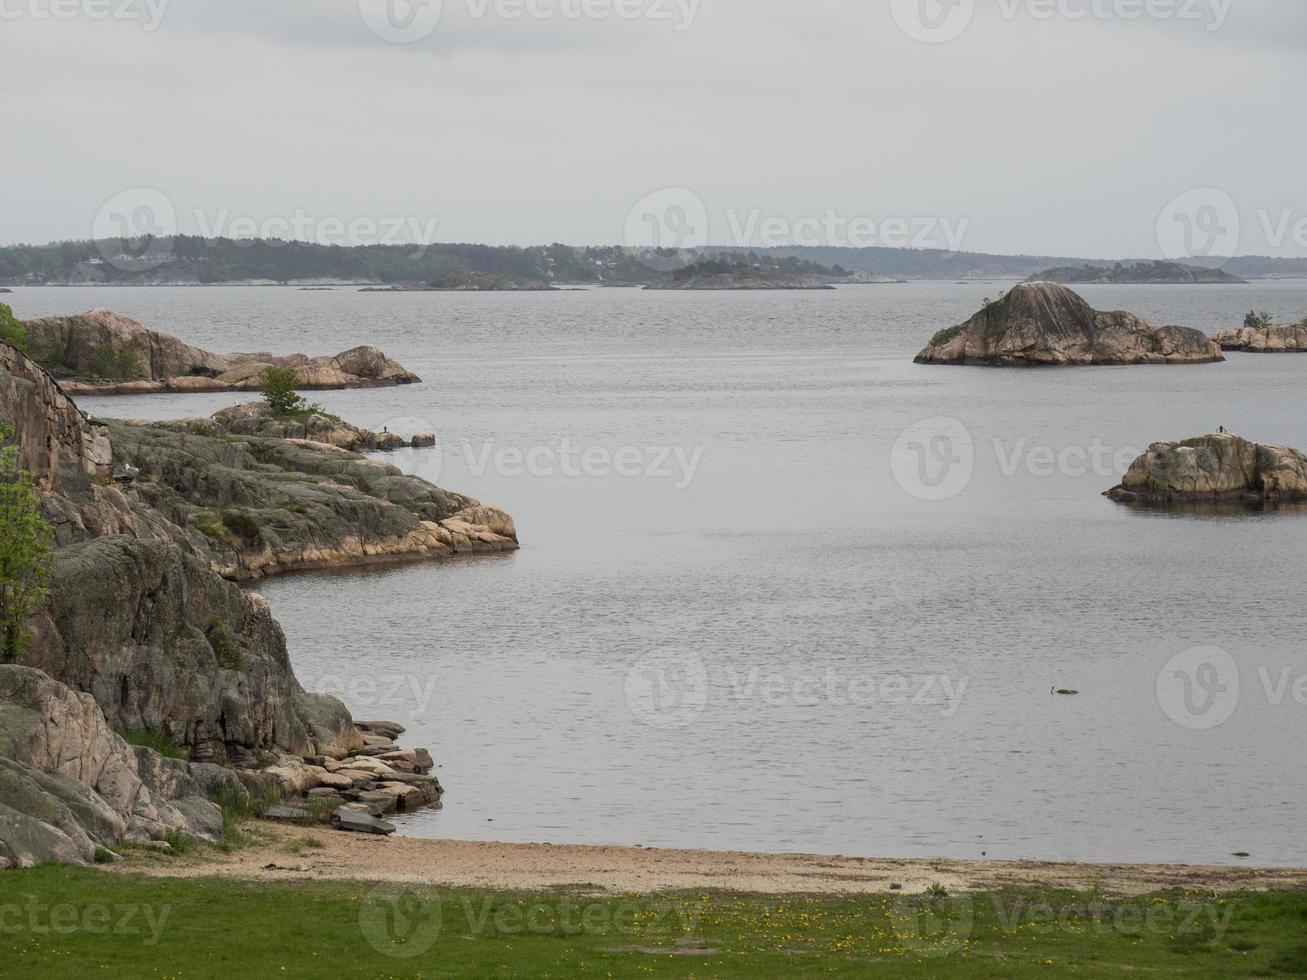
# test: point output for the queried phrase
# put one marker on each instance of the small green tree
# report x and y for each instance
(279, 391)
(1258, 321)
(25, 552)
(12, 331)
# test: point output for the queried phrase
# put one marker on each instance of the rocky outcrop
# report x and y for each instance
(1288, 338)
(58, 442)
(69, 784)
(104, 353)
(142, 633)
(252, 506)
(1046, 324)
(256, 419)
(1214, 467)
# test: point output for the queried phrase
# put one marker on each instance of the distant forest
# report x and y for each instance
(222, 260)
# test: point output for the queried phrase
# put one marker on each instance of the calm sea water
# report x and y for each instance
(779, 644)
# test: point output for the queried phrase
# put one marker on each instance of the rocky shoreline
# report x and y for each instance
(146, 630)
(103, 353)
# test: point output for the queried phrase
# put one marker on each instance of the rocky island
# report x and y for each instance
(103, 353)
(153, 687)
(1265, 338)
(1042, 323)
(1214, 468)
(1137, 274)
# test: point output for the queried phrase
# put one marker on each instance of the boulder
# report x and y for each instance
(424, 440)
(1214, 467)
(1290, 338)
(1044, 323)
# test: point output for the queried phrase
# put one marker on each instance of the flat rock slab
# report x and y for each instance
(361, 823)
(281, 812)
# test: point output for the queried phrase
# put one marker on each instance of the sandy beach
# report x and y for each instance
(624, 870)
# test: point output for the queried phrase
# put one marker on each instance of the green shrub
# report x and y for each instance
(118, 363)
(160, 742)
(944, 336)
(1258, 321)
(279, 392)
(240, 523)
(225, 648)
(12, 331)
(103, 856)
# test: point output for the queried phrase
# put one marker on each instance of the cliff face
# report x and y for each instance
(1289, 338)
(1213, 467)
(87, 352)
(142, 633)
(1047, 324)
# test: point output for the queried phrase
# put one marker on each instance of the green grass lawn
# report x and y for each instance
(74, 922)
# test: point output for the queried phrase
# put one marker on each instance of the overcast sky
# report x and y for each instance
(994, 129)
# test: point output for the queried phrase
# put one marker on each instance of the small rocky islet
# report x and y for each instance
(105, 353)
(1216, 468)
(1046, 324)
(154, 684)
(1285, 338)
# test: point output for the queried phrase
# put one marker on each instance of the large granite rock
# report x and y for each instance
(1046, 324)
(1288, 338)
(69, 784)
(166, 646)
(1214, 467)
(76, 349)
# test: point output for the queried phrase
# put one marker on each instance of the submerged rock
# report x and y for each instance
(104, 353)
(1214, 467)
(1046, 324)
(1288, 338)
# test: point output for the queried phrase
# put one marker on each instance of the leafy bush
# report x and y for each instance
(279, 392)
(945, 335)
(225, 648)
(103, 855)
(1258, 321)
(25, 552)
(12, 331)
